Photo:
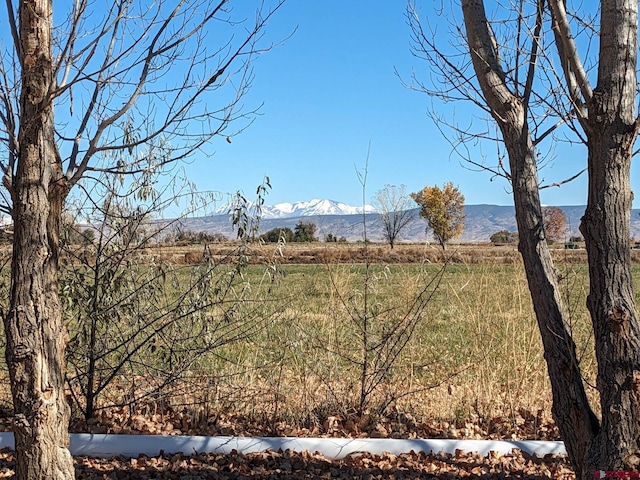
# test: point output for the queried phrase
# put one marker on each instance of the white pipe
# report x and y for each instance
(106, 445)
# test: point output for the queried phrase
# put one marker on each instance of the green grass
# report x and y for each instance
(477, 334)
(475, 350)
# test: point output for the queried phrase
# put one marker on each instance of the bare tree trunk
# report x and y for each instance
(36, 336)
(609, 119)
(610, 123)
(571, 410)
(611, 303)
(611, 130)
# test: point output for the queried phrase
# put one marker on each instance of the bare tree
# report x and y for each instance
(504, 78)
(396, 209)
(120, 89)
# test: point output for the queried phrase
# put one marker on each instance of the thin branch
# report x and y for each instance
(575, 74)
(535, 43)
(566, 180)
(14, 30)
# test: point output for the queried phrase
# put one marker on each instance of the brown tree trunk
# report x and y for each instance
(36, 336)
(611, 302)
(571, 410)
(607, 114)
(611, 132)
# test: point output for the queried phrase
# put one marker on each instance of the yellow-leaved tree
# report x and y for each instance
(443, 209)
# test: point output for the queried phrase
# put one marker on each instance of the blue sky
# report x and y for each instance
(329, 91)
(330, 96)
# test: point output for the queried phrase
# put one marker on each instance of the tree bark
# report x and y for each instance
(609, 118)
(611, 129)
(36, 336)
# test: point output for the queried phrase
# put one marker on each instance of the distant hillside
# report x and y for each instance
(482, 221)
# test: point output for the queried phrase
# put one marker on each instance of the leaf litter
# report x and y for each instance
(308, 465)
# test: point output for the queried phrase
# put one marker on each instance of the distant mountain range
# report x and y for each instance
(347, 221)
(306, 209)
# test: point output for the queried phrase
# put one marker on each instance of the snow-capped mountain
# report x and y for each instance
(306, 209)
(339, 220)
(316, 207)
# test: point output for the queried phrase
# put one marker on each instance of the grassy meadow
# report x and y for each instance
(474, 354)
(352, 336)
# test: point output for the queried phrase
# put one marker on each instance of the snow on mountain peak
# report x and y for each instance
(317, 207)
(311, 208)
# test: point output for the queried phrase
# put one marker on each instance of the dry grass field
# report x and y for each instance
(472, 367)
(330, 253)
(319, 365)
(361, 340)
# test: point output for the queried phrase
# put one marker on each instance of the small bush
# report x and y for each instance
(503, 237)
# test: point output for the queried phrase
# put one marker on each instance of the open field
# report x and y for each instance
(351, 341)
(316, 364)
(328, 355)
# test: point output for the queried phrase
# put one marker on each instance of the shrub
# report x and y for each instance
(305, 232)
(504, 236)
(276, 234)
(330, 238)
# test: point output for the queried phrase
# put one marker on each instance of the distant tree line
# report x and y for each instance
(331, 238)
(189, 236)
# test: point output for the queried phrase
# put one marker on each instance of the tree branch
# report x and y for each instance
(574, 72)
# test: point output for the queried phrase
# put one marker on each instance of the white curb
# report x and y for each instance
(95, 445)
